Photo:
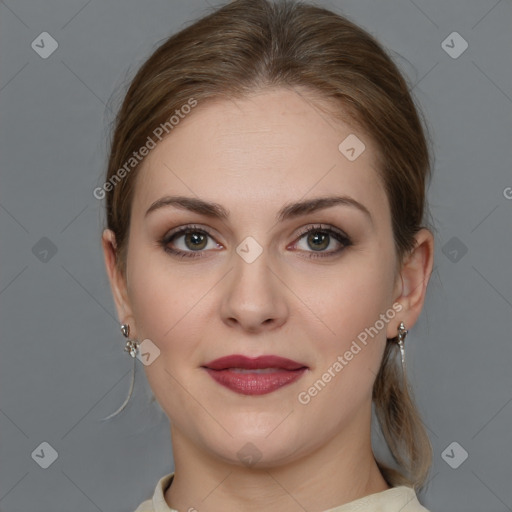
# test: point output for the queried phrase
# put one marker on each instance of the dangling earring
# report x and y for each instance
(132, 347)
(402, 333)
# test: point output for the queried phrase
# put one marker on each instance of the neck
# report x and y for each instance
(338, 472)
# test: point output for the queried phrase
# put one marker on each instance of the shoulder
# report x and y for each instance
(157, 503)
(401, 498)
(145, 506)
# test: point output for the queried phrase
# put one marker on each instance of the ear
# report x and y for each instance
(117, 280)
(412, 281)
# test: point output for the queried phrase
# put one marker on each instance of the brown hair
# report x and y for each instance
(251, 44)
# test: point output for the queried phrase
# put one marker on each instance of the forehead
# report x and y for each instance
(267, 148)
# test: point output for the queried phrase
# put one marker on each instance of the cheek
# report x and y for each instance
(172, 307)
(168, 311)
(160, 293)
(166, 306)
(353, 297)
(355, 309)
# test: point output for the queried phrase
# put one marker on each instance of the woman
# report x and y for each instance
(267, 255)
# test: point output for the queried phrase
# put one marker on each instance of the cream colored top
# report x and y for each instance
(396, 499)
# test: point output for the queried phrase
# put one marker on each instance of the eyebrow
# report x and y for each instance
(289, 211)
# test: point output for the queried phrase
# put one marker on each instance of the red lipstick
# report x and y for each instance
(254, 376)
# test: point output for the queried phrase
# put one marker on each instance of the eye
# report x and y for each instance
(319, 237)
(195, 241)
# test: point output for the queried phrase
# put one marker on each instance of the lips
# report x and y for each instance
(254, 376)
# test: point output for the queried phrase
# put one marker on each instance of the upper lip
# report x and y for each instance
(266, 361)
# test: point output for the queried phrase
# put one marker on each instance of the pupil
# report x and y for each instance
(196, 238)
(316, 236)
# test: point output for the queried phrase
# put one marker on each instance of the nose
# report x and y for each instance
(254, 296)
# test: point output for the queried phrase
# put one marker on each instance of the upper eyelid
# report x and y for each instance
(183, 229)
(322, 227)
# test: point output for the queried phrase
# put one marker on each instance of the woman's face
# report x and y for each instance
(253, 284)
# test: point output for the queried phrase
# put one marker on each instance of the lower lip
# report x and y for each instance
(255, 383)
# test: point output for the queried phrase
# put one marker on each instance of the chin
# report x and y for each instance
(258, 451)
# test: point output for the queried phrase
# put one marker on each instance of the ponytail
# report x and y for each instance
(401, 424)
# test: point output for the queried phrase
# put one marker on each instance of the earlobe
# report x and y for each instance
(414, 275)
(116, 279)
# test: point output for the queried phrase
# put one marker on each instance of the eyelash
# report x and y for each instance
(337, 235)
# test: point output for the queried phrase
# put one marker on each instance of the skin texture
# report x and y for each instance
(253, 156)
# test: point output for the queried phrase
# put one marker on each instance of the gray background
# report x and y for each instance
(62, 364)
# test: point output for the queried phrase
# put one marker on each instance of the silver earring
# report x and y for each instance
(131, 346)
(402, 333)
